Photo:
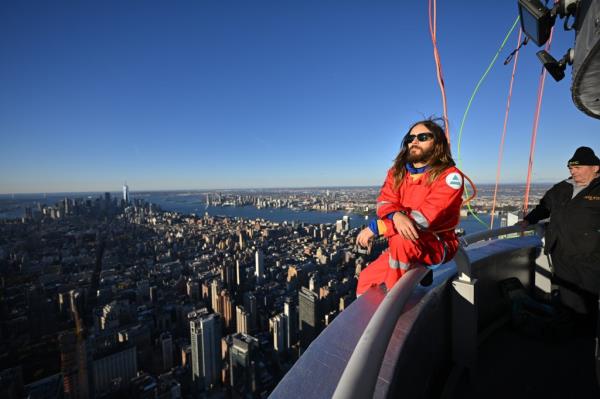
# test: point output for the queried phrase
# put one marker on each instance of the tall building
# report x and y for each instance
(228, 310)
(310, 318)
(241, 240)
(215, 295)
(125, 194)
(206, 360)
(193, 290)
(239, 272)
(278, 325)
(116, 365)
(291, 312)
(228, 275)
(166, 345)
(242, 319)
(346, 220)
(251, 306)
(66, 206)
(259, 261)
(242, 364)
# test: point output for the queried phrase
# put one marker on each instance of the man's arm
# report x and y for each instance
(392, 215)
(541, 211)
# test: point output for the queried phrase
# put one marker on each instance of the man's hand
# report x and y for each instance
(522, 223)
(364, 236)
(405, 226)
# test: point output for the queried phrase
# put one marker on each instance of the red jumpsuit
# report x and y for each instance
(435, 209)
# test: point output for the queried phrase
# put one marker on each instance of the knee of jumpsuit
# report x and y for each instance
(405, 254)
(400, 257)
(374, 274)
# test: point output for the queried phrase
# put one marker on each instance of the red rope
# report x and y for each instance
(535, 127)
(501, 151)
(438, 64)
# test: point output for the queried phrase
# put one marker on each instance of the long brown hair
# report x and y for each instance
(441, 158)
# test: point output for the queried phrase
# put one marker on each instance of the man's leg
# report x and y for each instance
(373, 274)
(565, 270)
(405, 254)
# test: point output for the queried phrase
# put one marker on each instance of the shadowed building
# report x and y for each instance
(310, 318)
(242, 364)
(206, 360)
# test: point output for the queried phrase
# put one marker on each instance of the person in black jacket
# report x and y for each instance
(573, 234)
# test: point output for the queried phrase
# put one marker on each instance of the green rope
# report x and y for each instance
(462, 123)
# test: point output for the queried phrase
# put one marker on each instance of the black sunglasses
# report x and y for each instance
(421, 137)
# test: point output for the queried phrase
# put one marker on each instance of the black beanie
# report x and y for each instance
(584, 156)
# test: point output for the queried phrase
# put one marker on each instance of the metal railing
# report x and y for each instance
(489, 234)
(360, 375)
(365, 360)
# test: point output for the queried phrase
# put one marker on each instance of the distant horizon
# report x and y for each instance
(243, 189)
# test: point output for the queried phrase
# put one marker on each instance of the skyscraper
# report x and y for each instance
(116, 364)
(206, 360)
(242, 363)
(228, 310)
(279, 330)
(166, 344)
(346, 220)
(251, 306)
(239, 272)
(125, 194)
(215, 296)
(310, 318)
(291, 312)
(259, 265)
(242, 319)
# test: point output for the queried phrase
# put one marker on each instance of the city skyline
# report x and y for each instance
(210, 96)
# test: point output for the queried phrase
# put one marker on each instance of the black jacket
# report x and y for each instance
(575, 223)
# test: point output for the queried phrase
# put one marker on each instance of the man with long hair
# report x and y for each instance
(418, 208)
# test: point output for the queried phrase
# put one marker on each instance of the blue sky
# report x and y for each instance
(224, 94)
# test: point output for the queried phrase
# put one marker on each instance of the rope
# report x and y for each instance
(438, 64)
(536, 121)
(462, 123)
(501, 150)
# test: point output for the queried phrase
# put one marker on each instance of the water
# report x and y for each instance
(14, 207)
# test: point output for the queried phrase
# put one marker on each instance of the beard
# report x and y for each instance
(418, 155)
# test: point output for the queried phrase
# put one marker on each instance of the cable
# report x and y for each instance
(462, 123)
(501, 150)
(536, 121)
(438, 64)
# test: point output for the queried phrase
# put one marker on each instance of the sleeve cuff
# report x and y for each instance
(373, 227)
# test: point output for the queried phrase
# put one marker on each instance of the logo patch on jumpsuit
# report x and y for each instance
(454, 180)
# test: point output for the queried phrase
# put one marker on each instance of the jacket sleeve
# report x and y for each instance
(541, 211)
(441, 208)
(388, 200)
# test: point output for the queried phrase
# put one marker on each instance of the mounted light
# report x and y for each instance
(556, 68)
(537, 20)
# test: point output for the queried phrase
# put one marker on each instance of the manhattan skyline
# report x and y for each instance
(197, 96)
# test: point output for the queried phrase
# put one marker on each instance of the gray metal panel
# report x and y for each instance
(424, 357)
(317, 372)
(418, 353)
(359, 379)
(585, 89)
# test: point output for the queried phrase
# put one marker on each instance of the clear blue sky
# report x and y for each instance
(223, 94)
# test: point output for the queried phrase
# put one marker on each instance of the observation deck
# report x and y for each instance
(453, 338)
